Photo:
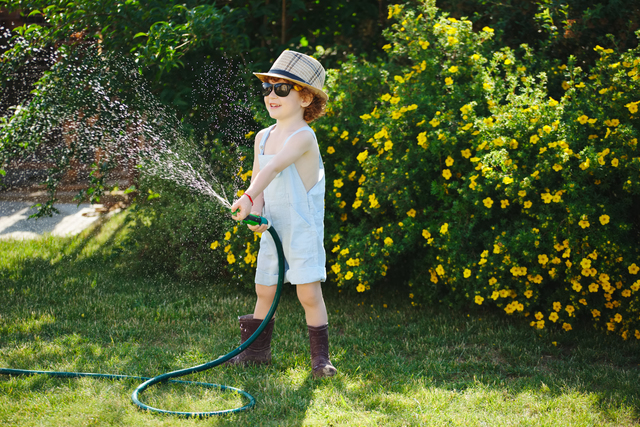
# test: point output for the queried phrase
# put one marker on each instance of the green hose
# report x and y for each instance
(148, 382)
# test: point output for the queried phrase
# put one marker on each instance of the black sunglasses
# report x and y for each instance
(281, 89)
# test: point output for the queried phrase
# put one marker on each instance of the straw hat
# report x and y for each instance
(299, 68)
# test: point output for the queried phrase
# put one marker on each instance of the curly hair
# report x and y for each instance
(316, 109)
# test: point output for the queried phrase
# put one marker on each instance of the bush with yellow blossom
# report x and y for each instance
(452, 170)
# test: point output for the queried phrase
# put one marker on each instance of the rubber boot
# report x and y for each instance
(259, 352)
(320, 363)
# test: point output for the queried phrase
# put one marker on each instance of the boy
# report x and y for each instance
(287, 187)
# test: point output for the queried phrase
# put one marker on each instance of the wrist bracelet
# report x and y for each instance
(250, 199)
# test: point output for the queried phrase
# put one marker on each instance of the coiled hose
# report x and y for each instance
(148, 382)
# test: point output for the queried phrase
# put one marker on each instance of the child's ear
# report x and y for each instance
(307, 99)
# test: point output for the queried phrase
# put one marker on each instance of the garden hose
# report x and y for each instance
(148, 382)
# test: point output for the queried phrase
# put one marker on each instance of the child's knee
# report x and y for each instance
(310, 295)
(266, 292)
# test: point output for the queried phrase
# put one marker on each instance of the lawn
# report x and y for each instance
(74, 305)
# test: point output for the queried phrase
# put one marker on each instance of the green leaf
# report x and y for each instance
(141, 35)
(35, 12)
(2, 172)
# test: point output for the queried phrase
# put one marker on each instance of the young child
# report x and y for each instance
(287, 187)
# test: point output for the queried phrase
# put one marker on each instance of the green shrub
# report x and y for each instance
(450, 169)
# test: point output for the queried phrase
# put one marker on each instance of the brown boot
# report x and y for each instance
(259, 352)
(320, 363)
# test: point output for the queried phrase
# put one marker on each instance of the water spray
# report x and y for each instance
(167, 377)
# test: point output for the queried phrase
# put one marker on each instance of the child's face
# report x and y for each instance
(283, 107)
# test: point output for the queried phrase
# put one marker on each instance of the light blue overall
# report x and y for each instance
(298, 217)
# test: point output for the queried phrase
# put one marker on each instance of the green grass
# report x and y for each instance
(71, 305)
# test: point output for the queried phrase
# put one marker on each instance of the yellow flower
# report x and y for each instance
(453, 69)
(335, 268)
(617, 318)
(633, 107)
(583, 119)
(330, 150)
(385, 97)
(365, 116)
(466, 153)
(227, 235)
(422, 139)
(466, 273)
(584, 223)
(443, 229)
(426, 234)
(360, 288)
(543, 259)
(446, 174)
(570, 309)
(528, 293)
(552, 102)
(388, 145)
(614, 163)
(593, 287)
(231, 259)
(553, 317)
(488, 202)
(534, 139)
(449, 161)
(504, 203)
(388, 241)
(633, 268)
(478, 299)
(488, 30)
(604, 219)
(448, 81)
(349, 275)
(214, 245)
(440, 270)
(399, 79)
(507, 180)
(338, 183)
(557, 167)
(527, 204)
(363, 156)
(539, 316)
(566, 326)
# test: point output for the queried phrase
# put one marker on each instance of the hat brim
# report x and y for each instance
(264, 76)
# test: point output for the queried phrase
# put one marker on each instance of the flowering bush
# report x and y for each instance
(451, 169)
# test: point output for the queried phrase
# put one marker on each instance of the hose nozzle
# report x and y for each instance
(252, 219)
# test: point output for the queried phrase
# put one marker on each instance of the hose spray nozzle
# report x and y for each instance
(252, 219)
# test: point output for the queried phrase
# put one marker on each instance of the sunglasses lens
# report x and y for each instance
(266, 89)
(282, 89)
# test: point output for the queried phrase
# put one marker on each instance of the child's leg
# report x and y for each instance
(310, 296)
(265, 299)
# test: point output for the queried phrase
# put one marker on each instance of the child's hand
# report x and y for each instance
(258, 228)
(241, 208)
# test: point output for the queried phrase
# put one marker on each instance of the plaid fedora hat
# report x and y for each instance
(299, 68)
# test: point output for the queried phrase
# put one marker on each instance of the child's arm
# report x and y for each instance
(243, 204)
(298, 146)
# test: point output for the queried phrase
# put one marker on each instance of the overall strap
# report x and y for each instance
(264, 138)
(300, 130)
